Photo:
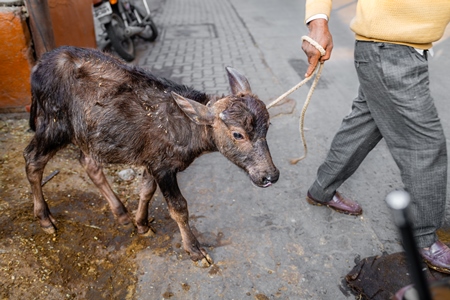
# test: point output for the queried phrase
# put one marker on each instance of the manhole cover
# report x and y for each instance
(195, 31)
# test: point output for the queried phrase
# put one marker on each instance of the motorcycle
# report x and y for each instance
(122, 21)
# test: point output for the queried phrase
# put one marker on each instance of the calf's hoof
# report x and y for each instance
(145, 231)
(124, 220)
(143, 228)
(48, 224)
(49, 229)
(127, 227)
(199, 255)
(205, 262)
(202, 259)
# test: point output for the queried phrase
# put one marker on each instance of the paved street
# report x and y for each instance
(269, 243)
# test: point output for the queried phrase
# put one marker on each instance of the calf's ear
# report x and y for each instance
(238, 82)
(197, 112)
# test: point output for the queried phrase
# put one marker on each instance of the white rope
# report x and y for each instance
(308, 97)
(315, 44)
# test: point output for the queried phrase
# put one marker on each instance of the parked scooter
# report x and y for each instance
(122, 21)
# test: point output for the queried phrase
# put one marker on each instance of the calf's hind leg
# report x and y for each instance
(34, 166)
(95, 173)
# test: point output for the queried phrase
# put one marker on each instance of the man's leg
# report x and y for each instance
(356, 137)
(396, 84)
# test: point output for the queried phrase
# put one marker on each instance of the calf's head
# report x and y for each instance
(240, 122)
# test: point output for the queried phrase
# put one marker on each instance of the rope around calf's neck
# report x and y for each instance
(308, 97)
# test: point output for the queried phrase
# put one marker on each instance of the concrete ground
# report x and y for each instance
(269, 243)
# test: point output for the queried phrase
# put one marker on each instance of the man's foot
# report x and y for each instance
(339, 204)
(437, 257)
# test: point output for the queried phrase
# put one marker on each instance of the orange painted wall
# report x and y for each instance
(16, 60)
(72, 23)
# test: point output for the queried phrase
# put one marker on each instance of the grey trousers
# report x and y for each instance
(393, 103)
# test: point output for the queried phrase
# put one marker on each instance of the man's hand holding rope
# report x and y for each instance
(318, 31)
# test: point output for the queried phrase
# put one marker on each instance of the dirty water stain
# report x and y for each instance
(90, 256)
(261, 297)
(214, 270)
(80, 261)
(186, 287)
(167, 295)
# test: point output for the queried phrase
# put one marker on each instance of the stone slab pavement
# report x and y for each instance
(269, 243)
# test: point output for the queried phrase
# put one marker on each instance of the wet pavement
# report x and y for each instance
(266, 243)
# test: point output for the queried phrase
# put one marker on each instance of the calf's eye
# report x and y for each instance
(238, 136)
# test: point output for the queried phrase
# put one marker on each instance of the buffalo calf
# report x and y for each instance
(117, 113)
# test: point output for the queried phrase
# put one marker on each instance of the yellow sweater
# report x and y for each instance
(416, 23)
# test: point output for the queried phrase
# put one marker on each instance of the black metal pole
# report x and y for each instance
(399, 201)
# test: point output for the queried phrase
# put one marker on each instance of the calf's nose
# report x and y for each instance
(272, 178)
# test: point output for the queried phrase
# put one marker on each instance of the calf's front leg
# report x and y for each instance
(95, 173)
(148, 188)
(179, 212)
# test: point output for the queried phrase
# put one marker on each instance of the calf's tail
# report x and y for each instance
(33, 108)
(50, 111)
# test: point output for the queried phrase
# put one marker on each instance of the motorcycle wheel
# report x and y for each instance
(150, 32)
(122, 44)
